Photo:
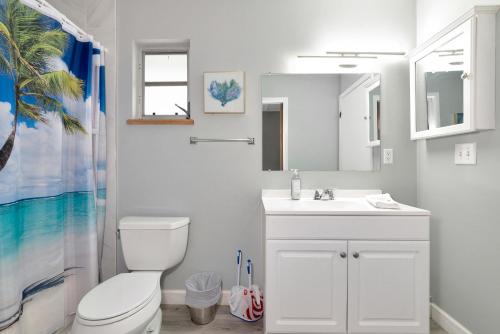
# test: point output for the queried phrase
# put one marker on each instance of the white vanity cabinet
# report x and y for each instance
(306, 284)
(348, 270)
(388, 287)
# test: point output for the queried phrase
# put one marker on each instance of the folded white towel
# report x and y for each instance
(382, 201)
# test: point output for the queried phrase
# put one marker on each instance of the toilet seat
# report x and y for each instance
(118, 298)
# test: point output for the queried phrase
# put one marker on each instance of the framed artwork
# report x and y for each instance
(224, 92)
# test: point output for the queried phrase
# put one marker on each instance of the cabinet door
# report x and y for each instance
(388, 287)
(306, 284)
(441, 77)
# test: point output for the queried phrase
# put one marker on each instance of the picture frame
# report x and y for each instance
(224, 92)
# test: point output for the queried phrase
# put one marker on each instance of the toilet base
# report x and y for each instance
(155, 324)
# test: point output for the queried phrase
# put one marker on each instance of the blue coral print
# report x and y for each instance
(224, 92)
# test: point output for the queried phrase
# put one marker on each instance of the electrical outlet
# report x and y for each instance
(465, 154)
(388, 156)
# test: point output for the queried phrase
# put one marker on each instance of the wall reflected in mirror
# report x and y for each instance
(440, 87)
(321, 122)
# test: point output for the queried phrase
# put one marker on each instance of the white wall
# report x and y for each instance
(346, 80)
(98, 18)
(218, 184)
(313, 122)
(434, 15)
(465, 228)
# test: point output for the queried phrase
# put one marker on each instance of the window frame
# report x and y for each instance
(146, 52)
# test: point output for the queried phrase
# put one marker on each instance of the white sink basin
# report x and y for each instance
(339, 204)
(278, 202)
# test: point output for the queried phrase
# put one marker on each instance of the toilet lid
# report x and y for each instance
(118, 295)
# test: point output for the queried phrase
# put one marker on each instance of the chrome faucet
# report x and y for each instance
(326, 195)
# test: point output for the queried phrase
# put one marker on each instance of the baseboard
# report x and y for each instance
(178, 297)
(446, 321)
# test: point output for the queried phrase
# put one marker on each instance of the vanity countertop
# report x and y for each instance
(346, 203)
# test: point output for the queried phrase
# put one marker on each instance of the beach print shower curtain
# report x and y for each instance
(52, 169)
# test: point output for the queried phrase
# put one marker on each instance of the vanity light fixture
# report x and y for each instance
(363, 54)
(343, 61)
(354, 54)
(348, 65)
(350, 55)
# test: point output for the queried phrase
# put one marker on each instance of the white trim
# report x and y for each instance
(284, 101)
(178, 297)
(446, 321)
(372, 84)
(364, 78)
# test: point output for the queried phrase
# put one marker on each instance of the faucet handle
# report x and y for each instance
(331, 194)
(317, 195)
(327, 194)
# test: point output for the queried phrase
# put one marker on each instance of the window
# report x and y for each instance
(165, 87)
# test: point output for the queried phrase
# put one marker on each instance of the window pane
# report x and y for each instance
(165, 67)
(161, 100)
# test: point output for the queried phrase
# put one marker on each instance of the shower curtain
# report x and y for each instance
(52, 167)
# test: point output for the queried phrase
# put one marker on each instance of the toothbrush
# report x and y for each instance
(249, 271)
(238, 262)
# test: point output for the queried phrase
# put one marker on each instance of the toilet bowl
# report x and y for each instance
(130, 303)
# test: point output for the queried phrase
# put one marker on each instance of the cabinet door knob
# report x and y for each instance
(355, 255)
(464, 76)
(343, 255)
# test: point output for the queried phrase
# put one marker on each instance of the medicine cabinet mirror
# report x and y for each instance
(321, 122)
(452, 78)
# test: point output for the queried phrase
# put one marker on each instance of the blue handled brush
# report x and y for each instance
(246, 302)
(250, 272)
(238, 263)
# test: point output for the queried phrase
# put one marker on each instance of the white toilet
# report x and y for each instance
(130, 303)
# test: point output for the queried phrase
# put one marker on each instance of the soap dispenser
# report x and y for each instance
(295, 188)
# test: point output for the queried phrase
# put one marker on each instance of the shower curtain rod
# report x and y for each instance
(67, 25)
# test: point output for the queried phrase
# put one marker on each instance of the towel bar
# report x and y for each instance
(194, 140)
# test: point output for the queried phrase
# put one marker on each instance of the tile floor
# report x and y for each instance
(176, 320)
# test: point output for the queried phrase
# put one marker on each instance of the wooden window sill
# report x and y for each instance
(159, 121)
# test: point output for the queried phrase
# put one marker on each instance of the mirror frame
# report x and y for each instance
(373, 84)
(466, 28)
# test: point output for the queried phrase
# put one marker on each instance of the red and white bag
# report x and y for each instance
(246, 303)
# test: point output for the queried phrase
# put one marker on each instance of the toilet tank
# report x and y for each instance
(153, 243)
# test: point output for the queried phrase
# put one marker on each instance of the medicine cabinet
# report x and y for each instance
(452, 78)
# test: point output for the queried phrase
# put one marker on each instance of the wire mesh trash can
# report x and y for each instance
(203, 291)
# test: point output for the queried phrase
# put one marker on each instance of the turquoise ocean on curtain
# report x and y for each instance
(52, 169)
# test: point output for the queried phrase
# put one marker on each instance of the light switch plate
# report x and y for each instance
(388, 156)
(465, 154)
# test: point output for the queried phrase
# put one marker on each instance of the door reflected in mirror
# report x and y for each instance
(321, 122)
(439, 86)
(374, 113)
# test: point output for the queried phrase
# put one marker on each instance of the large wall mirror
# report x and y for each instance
(321, 122)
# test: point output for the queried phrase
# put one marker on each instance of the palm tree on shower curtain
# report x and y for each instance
(28, 46)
